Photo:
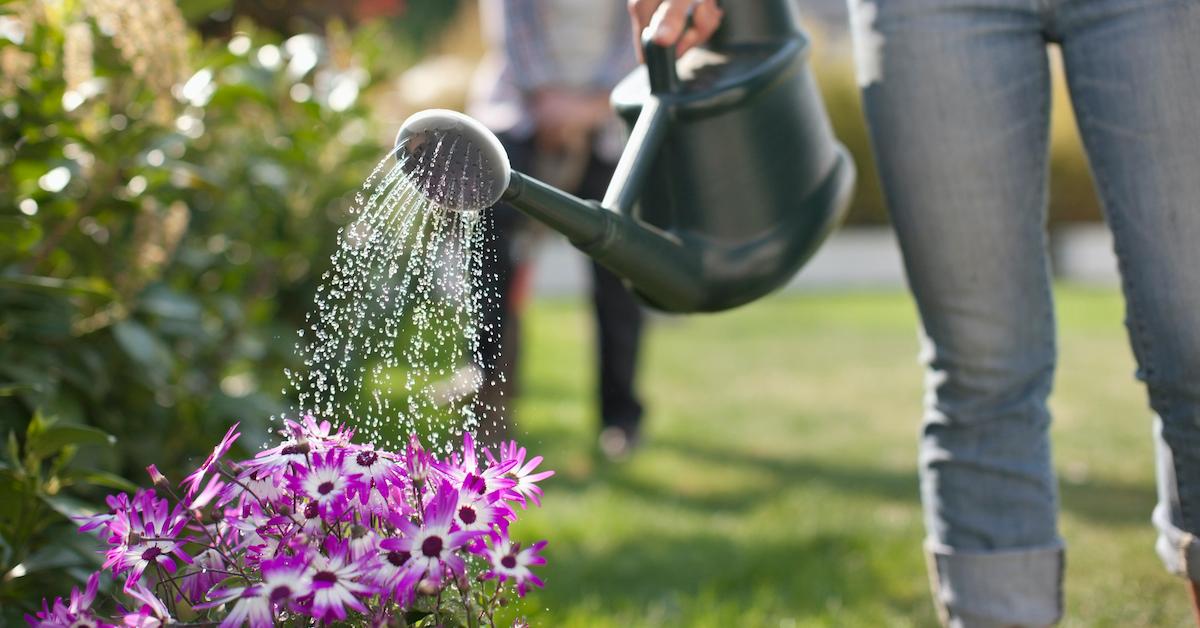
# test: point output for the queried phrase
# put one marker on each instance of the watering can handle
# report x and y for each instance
(660, 66)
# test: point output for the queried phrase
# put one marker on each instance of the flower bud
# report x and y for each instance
(159, 480)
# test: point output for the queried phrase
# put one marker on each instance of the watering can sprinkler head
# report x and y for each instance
(454, 160)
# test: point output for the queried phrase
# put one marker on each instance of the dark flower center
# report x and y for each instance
(151, 553)
(281, 592)
(325, 487)
(432, 547)
(311, 511)
(467, 515)
(398, 558)
(327, 577)
(509, 561)
(366, 458)
(475, 483)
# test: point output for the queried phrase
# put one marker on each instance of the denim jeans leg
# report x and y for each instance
(1133, 68)
(957, 97)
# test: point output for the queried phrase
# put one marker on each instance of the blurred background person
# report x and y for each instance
(543, 88)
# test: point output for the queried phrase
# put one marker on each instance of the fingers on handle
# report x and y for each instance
(706, 17)
(669, 20)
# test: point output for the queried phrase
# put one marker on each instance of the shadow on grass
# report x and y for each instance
(671, 573)
(670, 576)
(1102, 501)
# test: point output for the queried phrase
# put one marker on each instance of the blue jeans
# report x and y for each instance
(957, 94)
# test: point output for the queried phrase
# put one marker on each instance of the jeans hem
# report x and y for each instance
(1178, 549)
(1012, 587)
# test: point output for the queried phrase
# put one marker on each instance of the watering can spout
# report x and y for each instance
(440, 146)
(730, 180)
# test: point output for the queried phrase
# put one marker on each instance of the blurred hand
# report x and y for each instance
(566, 118)
(666, 20)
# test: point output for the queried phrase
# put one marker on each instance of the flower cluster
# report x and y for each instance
(321, 528)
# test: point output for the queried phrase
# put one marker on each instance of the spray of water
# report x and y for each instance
(393, 345)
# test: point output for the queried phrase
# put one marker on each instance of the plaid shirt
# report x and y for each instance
(582, 44)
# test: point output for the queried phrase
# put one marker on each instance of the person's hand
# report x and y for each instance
(566, 118)
(666, 20)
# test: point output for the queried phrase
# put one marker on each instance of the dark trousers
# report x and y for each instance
(619, 317)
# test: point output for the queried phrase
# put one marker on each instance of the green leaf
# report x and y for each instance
(52, 285)
(49, 440)
(8, 389)
(99, 478)
(68, 506)
(53, 556)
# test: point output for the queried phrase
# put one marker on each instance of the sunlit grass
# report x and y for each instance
(777, 482)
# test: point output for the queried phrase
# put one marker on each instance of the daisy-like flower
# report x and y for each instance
(75, 614)
(375, 470)
(509, 562)
(431, 546)
(152, 539)
(285, 579)
(391, 574)
(325, 481)
(282, 457)
(260, 486)
(459, 472)
(478, 512)
(247, 527)
(152, 614)
(321, 434)
(193, 481)
(337, 581)
(522, 472)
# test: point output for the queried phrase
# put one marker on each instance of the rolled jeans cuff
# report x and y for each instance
(1178, 549)
(997, 588)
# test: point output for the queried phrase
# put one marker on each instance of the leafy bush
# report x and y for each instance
(168, 207)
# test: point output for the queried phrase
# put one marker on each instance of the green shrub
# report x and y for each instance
(167, 207)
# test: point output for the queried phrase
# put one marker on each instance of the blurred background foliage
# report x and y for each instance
(171, 184)
(172, 177)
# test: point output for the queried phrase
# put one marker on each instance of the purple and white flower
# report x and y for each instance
(522, 472)
(284, 580)
(510, 562)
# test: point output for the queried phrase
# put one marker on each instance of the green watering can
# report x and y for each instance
(730, 180)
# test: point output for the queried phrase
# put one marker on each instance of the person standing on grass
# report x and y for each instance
(957, 97)
(544, 89)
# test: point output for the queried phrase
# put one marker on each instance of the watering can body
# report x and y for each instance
(741, 171)
(730, 180)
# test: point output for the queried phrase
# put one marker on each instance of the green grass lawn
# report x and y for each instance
(777, 487)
